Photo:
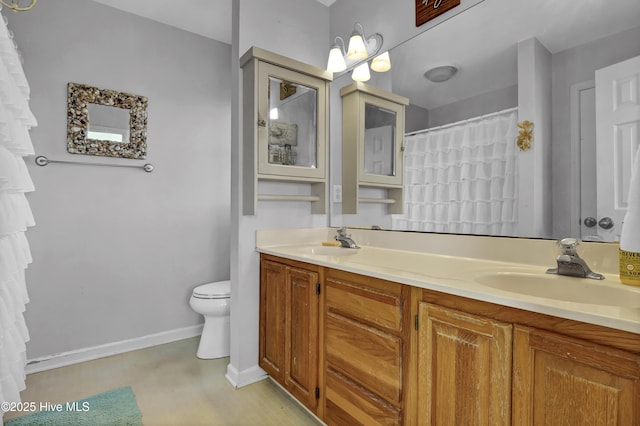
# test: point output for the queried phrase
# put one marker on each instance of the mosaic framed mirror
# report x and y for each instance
(106, 122)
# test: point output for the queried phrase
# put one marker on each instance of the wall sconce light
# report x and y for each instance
(356, 57)
(381, 63)
(361, 72)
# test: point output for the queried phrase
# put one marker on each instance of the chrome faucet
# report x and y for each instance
(569, 263)
(345, 239)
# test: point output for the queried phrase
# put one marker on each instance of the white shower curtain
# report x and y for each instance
(15, 216)
(461, 178)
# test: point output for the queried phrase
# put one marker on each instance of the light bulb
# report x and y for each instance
(357, 49)
(336, 60)
(381, 63)
(361, 73)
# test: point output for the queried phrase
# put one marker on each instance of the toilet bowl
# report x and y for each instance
(213, 302)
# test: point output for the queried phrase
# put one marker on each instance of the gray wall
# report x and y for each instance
(415, 118)
(395, 20)
(297, 29)
(117, 251)
(475, 106)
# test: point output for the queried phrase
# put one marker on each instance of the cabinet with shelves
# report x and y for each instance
(372, 146)
(285, 124)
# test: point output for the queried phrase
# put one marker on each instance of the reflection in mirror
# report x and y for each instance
(106, 122)
(379, 140)
(541, 58)
(292, 108)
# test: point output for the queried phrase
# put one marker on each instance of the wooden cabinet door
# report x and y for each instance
(272, 318)
(464, 368)
(365, 343)
(565, 381)
(301, 352)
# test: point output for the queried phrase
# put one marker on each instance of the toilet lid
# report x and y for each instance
(217, 290)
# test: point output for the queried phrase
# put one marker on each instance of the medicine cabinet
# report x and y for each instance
(285, 129)
(372, 145)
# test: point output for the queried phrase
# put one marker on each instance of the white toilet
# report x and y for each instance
(212, 301)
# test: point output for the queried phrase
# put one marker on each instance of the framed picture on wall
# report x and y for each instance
(426, 10)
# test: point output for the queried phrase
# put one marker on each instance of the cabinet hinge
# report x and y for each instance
(317, 288)
(317, 392)
(416, 322)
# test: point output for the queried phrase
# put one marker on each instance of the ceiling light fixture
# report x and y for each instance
(441, 73)
(15, 5)
(356, 57)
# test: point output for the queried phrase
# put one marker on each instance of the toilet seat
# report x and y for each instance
(217, 290)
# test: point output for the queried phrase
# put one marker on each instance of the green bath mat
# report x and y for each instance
(112, 408)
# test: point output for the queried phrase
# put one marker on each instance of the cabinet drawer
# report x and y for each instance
(349, 404)
(377, 306)
(365, 354)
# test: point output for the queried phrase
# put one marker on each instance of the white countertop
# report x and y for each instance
(607, 302)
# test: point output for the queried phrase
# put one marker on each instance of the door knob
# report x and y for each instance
(590, 222)
(605, 223)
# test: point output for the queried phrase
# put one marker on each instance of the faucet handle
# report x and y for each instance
(342, 231)
(569, 245)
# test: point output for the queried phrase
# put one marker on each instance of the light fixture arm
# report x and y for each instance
(340, 45)
(374, 38)
(15, 5)
(377, 37)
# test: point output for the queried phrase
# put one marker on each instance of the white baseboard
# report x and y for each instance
(87, 354)
(245, 377)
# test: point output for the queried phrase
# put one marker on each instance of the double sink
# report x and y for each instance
(497, 277)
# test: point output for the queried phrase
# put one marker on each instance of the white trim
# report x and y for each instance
(245, 377)
(575, 187)
(87, 354)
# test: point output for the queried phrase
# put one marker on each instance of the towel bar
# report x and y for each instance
(41, 160)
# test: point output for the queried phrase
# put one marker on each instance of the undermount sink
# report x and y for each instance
(329, 251)
(569, 289)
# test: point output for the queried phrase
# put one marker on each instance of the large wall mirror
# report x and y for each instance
(484, 44)
(106, 122)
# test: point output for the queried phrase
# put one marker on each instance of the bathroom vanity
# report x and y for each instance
(382, 335)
